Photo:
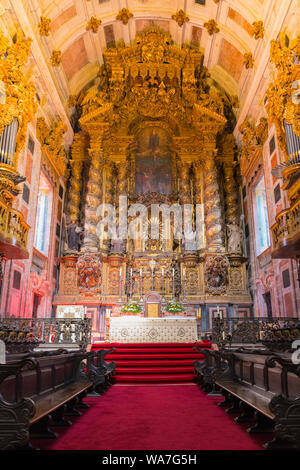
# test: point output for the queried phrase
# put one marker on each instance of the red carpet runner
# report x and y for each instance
(153, 417)
(153, 362)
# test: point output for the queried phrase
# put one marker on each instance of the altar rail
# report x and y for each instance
(24, 334)
(231, 331)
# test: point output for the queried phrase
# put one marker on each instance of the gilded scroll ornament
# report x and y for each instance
(55, 58)
(93, 24)
(248, 60)
(20, 100)
(279, 93)
(253, 136)
(44, 26)
(52, 142)
(180, 17)
(258, 29)
(124, 15)
(212, 27)
(72, 101)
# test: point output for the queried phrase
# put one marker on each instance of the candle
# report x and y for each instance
(162, 271)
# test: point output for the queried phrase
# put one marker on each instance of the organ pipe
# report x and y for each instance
(292, 141)
(8, 141)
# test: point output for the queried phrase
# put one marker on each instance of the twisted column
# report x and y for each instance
(93, 194)
(109, 183)
(212, 205)
(122, 179)
(78, 152)
(232, 211)
(198, 181)
(185, 195)
(231, 195)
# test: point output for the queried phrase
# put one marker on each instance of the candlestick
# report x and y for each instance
(173, 283)
(183, 272)
(141, 285)
(163, 284)
(120, 286)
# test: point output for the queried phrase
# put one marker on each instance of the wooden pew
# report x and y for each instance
(261, 386)
(33, 388)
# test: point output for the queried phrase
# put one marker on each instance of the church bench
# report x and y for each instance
(35, 389)
(261, 386)
(206, 370)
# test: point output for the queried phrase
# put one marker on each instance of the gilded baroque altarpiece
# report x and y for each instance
(154, 127)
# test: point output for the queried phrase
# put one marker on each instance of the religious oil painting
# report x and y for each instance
(153, 162)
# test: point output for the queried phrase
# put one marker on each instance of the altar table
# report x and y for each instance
(130, 329)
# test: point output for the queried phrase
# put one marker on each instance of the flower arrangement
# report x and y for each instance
(131, 307)
(174, 307)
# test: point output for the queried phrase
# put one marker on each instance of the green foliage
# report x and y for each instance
(174, 307)
(131, 307)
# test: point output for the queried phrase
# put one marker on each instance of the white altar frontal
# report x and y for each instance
(172, 329)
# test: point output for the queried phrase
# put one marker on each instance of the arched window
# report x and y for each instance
(261, 222)
(43, 216)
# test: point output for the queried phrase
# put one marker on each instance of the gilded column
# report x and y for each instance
(198, 181)
(184, 193)
(212, 205)
(232, 201)
(231, 191)
(94, 192)
(122, 186)
(109, 183)
(78, 155)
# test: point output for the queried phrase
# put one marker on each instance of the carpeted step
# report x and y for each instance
(153, 363)
(173, 356)
(166, 363)
(156, 378)
(103, 345)
(154, 370)
(135, 351)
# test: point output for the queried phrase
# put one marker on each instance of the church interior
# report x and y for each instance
(149, 224)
